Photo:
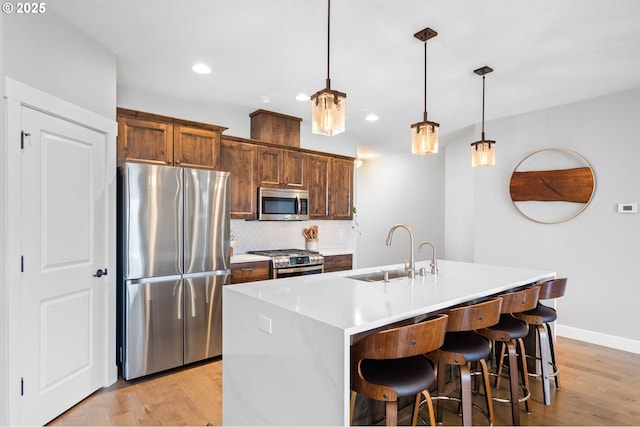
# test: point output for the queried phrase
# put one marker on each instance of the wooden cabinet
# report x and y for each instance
(144, 141)
(194, 147)
(150, 138)
(330, 183)
(338, 263)
(249, 271)
(341, 185)
(275, 128)
(318, 178)
(241, 160)
(281, 168)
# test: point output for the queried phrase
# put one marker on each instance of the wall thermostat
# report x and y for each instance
(627, 208)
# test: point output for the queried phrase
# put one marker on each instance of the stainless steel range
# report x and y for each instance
(293, 262)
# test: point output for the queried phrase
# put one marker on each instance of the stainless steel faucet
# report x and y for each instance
(411, 268)
(434, 260)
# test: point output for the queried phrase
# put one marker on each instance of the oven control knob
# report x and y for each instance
(281, 261)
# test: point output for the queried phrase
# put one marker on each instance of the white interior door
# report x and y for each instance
(64, 226)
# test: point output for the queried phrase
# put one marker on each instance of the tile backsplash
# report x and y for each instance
(262, 235)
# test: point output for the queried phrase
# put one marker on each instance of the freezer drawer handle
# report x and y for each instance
(100, 273)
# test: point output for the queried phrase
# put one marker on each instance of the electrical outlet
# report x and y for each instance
(264, 323)
(627, 208)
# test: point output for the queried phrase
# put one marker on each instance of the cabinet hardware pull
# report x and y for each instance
(247, 269)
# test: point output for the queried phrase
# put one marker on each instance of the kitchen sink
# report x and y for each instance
(378, 276)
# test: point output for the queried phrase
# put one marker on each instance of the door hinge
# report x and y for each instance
(22, 135)
(21, 386)
(21, 263)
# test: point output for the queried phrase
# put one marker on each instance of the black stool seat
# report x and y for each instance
(513, 328)
(469, 344)
(407, 376)
(546, 314)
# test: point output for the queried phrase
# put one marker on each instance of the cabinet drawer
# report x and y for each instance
(249, 271)
(338, 263)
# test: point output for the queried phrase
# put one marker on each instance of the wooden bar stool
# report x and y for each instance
(510, 331)
(541, 317)
(462, 346)
(390, 364)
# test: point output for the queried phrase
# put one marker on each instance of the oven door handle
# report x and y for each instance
(299, 269)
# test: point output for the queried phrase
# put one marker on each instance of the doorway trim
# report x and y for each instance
(16, 96)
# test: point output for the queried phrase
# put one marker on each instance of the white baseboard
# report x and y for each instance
(599, 338)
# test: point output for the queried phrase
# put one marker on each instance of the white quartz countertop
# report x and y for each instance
(248, 258)
(356, 306)
(335, 251)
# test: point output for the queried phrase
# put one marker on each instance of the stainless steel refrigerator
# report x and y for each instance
(174, 243)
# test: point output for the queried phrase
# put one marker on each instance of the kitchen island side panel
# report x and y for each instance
(302, 365)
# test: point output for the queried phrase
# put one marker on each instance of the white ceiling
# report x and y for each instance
(544, 53)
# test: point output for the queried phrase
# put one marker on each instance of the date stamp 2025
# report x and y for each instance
(24, 8)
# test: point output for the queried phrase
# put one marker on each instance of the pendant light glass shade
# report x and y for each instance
(424, 138)
(328, 112)
(483, 152)
(424, 135)
(328, 106)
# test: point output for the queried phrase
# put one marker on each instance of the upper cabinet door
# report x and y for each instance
(294, 169)
(241, 160)
(197, 148)
(281, 168)
(318, 180)
(145, 141)
(269, 166)
(341, 185)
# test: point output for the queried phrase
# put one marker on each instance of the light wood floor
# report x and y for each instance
(599, 386)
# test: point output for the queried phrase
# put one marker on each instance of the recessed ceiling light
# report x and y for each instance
(371, 118)
(201, 69)
(302, 97)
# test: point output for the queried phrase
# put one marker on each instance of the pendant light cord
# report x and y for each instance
(425, 81)
(483, 76)
(328, 41)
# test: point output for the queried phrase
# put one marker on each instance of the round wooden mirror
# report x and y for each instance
(552, 185)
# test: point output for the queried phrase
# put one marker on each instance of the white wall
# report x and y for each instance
(394, 189)
(4, 338)
(599, 249)
(459, 197)
(44, 52)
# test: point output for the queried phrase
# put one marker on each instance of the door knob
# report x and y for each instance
(100, 273)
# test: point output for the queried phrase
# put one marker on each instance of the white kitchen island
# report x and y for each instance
(286, 342)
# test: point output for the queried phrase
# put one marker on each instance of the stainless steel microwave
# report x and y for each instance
(276, 204)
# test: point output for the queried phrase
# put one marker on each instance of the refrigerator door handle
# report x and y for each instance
(178, 286)
(192, 296)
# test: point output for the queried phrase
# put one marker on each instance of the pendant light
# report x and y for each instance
(483, 152)
(328, 106)
(424, 135)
